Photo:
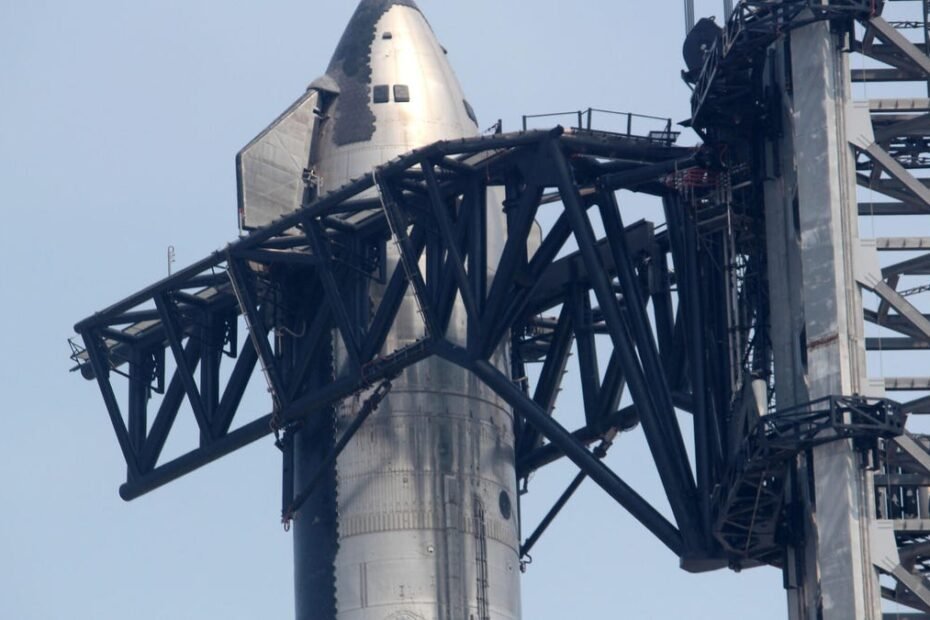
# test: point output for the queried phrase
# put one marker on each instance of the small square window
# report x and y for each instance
(381, 94)
(401, 93)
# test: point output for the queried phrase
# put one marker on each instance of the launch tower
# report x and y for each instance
(413, 324)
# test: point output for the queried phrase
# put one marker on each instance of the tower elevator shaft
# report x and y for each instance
(819, 342)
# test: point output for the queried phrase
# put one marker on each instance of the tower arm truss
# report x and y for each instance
(292, 286)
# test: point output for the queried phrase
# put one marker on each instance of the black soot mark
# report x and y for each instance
(351, 68)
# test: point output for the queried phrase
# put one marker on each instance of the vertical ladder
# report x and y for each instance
(481, 561)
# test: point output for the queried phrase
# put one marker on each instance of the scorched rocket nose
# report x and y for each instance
(417, 520)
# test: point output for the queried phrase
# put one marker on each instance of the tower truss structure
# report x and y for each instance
(716, 313)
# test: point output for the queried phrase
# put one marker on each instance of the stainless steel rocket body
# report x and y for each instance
(419, 518)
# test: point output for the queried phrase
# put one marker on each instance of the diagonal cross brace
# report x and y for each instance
(558, 435)
(185, 370)
(398, 228)
(658, 417)
(891, 36)
(257, 330)
(99, 362)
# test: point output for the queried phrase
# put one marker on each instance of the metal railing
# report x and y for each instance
(642, 126)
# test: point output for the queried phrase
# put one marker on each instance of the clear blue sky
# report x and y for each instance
(119, 122)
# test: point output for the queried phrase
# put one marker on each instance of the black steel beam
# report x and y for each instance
(255, 430)
(611, 391)
(184, 370)
(632, 149)
(560, 503)
(890, 208)
(919, 406)
(528, 283)
(98, 359)
(633, 179)
(190, 278)
(658, 416)
(316, 338)
(894, 322)
(270, 257)
(556, 433)
(588, 369)
(624, 420)
(435, 260)
(286, 242)
(440, 211)
(682, 234)
(345, 386)
(235, 388)
(519, 223)
(168, 410)
(119, 336)
(916, 126)
(896, 344)
(895, 189)
(181, 466)
(886, 75)
(660, 290)
(140, 373)
(453, 270)
(550, 377)
(557, 277)
(450, 284)
(474, 219)
(917, 266)
(370, 406)
(193, 276)
(398, 226)
(239, 277)
(212, 333)
(391, 299)
(337, 305)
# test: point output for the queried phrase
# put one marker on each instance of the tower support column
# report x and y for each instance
(817, 328)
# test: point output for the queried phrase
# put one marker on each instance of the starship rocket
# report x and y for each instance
(418, 519)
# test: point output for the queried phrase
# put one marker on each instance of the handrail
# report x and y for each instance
(585, 121)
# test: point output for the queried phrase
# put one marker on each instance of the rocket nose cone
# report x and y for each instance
(352, 53)
(351, 69)
(384, 5)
